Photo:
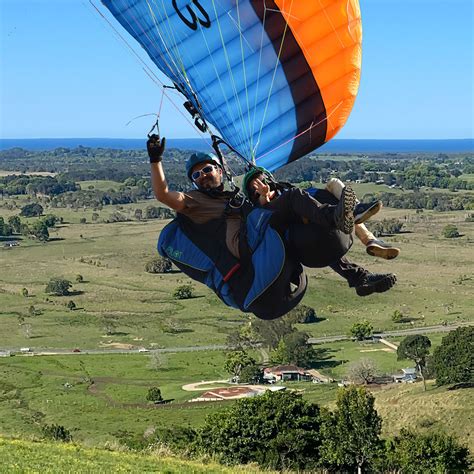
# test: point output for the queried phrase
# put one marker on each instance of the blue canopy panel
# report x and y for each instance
(229, 53)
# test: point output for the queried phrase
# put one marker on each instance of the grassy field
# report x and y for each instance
(96, 396)
(435, 285)
(26, 456)
(435, 276)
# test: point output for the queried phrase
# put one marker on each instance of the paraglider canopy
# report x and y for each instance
(275, 78)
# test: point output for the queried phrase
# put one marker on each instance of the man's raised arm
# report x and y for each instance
(173, 199)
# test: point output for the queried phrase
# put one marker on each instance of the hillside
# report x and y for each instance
(22, 456)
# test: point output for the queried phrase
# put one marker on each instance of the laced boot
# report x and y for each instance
(344, 211)
(375, 283)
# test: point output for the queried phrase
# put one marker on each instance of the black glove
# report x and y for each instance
(155, 148)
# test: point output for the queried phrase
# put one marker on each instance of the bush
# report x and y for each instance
(450, 231)
(362, 330)
(303, 314)
(397, 316)
(58, 286)
(184, 292)
(71, 305)
(57, 433)
(427, 453)
(24, 292)
(158, 265)
(154, 395)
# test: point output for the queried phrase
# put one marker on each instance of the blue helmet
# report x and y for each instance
(197, 158)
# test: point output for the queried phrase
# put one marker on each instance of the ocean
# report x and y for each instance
(334, 146)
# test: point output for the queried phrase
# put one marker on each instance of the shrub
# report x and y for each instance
(58, 286)
(154, 395)
(71, 305)
(184, 292)
(57, 432)
(450, 231)
(158, 265)
(362, 330)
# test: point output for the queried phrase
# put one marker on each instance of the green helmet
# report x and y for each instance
(254, 171)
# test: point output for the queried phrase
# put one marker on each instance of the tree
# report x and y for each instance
(15, 223)
(277, 430)
(157, 360)
(110, 325)
(416, 348)
(58, 287)
(40, 230)
(450, 231)
(251, 374)
(362, 330)
(453, 360)
(184, 292)
(236, 361)
(351, 435)
(429, 453)
(50, 220)
(79, 278)
(154, 395)
(95, 216)
(362, 371)
(31, 210)
(302, 314)
(270, 332)
(294, 349)
(158, 265)
(24, 292)
(82, 220)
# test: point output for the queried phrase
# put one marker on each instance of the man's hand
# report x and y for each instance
(155, 148)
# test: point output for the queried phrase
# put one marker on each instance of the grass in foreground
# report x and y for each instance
(27, 456)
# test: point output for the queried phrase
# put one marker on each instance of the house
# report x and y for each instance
(318, 377)
(409, 376)
(11, 243)
(284, 373)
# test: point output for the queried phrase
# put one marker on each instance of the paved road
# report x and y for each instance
(217, 347)
(401, 332)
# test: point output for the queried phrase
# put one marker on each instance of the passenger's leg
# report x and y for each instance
(295, 203)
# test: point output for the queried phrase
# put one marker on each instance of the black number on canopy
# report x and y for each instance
(192, 22)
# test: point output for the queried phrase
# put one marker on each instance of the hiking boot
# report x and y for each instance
(344, 211)
(364, 211)
(379, 248)
(376, 283)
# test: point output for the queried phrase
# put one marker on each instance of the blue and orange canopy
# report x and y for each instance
(276, 78)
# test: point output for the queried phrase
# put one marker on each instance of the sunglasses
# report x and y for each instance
(197, 174)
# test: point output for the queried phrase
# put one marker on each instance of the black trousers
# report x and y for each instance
(316, 244)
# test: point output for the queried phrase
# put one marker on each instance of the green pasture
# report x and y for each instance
(99, 185)
(20, 456)
(435, 284)
(95, 396)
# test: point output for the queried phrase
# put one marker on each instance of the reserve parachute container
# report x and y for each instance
(275, 78)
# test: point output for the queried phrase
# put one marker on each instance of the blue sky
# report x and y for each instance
(63, 73)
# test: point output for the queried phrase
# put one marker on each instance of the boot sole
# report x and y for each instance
(369, 213)
(382, 252)
(349, 198)
(379, 287)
